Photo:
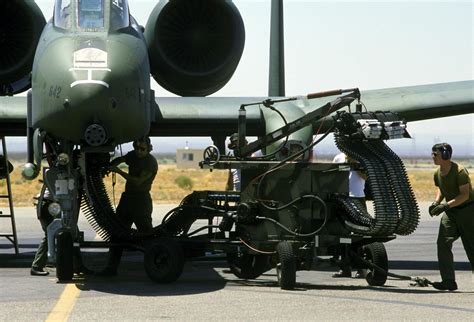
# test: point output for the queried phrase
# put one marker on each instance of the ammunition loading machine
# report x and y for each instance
(291, 213)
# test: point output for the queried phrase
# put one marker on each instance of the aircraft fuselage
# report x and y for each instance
(91, 76)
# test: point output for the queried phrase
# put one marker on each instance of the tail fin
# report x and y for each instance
(276, 77)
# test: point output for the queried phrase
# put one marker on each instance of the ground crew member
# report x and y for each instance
(41, 257)
(454, 186)
(135, 205)
(356, 190)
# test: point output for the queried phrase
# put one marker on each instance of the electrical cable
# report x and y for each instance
(255, 249)
(201, 228)
(295, 233)
(281, 146)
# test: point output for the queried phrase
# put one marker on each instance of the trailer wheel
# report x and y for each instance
(248, 266)
(164, 260)
(286, 266)
(376, 254)
(64, 256)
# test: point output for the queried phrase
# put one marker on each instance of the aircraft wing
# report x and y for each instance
(423, 102)
(214, 116)
(205, 116)
(195, 116)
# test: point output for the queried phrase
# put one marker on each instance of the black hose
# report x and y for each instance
(295, 233)
(201, 228)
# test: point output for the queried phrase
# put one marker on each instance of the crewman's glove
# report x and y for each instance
(440, 208)
(433, 206)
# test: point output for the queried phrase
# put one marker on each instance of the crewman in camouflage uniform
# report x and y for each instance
(135, 205)
(454, 186)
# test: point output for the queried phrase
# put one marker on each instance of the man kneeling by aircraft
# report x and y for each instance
(454, 185)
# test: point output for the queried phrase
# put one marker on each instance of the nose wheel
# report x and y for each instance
(64, 256)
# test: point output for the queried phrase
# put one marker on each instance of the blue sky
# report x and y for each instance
(365, 44)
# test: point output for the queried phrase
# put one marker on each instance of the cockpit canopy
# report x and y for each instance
(91, 15)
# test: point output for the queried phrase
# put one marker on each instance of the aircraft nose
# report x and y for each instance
(90, 67)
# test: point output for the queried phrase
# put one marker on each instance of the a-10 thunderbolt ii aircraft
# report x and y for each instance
(89, 72)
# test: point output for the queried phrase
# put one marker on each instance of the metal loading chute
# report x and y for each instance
(395, 206)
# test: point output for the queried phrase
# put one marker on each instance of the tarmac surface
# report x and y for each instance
(208, 291)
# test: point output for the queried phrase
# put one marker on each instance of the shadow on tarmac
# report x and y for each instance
(132, 279)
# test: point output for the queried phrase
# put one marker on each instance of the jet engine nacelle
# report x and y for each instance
(21, 24)
(194, 45)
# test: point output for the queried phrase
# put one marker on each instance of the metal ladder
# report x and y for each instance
(12, 237)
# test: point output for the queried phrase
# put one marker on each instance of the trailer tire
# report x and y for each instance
(248, 266)
(164, 260)
(376, 254)
(64, 256)
(286, 266)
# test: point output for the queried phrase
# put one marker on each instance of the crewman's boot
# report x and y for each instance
(38, 271)
(447, 285)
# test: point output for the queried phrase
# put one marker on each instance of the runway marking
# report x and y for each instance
(65, 304)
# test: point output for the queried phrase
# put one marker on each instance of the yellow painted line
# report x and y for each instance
(65, 304)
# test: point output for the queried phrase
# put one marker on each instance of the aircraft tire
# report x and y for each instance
(64, 256)
(286, 266)
(376, 254)
(248, 266)
(164, 260)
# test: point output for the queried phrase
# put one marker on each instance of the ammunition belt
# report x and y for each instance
(395, 206)
(98, 209)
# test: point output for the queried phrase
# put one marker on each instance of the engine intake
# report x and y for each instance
(21, 24)
(194, 45)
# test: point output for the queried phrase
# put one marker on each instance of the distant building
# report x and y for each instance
(188, 158)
